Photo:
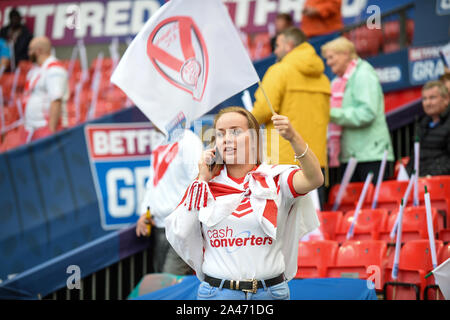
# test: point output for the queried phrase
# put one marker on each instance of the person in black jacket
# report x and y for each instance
(17, 34)
(434, 131)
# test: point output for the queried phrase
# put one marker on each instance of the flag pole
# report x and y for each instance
(430, 228)
(380, 179)
(349, 169)
(362, 197)
(416, 201)
(267, 98)
(398, 245)
(405, 201)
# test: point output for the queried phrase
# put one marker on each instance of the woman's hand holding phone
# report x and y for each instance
(206, 164)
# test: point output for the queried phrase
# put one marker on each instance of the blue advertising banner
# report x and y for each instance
(119, 155)
(425, 64)
(442, 7)
(392, 70)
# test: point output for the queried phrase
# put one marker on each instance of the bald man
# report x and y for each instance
(46, 92)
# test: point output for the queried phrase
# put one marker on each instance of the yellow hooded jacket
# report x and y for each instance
(297, 88)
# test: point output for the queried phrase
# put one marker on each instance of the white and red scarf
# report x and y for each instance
(210, 203)
(258, 184)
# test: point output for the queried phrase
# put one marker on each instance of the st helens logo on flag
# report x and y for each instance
(178, 51)
(119, 155)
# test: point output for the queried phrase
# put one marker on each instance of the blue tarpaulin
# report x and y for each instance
(300, 289)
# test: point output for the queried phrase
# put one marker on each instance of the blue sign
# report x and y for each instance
(120, 161)
(425, 64)
(122, 187)
(442, 7)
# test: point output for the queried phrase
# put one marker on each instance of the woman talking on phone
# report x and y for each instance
(239, 223)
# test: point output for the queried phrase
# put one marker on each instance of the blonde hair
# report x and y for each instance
(341, 44)
(252, 124)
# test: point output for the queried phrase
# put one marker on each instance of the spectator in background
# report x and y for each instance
(172, 168)
(298, 89)
(434, 131)
(282, 22)
(46, 92)
(4, 55)
(18, 36)
(321, 17)
(360, 111)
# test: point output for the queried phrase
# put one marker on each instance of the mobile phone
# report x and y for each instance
(215, 160)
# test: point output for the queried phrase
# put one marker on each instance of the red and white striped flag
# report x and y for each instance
(186, 60)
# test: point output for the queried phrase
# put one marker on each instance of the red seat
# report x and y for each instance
(410, 30)
(389, 47)
(25, 66)
(13, 139)
(444, 235)
(444, 254)
(390, 194)
(415, 263)
(106, 64)
(359, 259)
(367, 41)
(350, 197)
(11, 114)
(314, 257)
(76, 65)
(368, 226)
(6, 81)
(414, 225)
(329, 223)
(391, 31)
(439, 190)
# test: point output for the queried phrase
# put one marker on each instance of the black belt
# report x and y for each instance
(245, 285)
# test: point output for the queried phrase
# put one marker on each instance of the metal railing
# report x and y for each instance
(112, 283)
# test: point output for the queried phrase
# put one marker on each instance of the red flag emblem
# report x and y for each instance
(178, 52)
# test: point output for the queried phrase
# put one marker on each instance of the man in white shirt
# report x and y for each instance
(173, 167)
(46, 92)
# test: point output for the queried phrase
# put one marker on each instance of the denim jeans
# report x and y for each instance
(277, 292)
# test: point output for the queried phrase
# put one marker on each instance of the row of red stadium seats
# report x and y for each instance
(373, 260)
(370, 42)
(107, 99)
(391, 193)
(376, 224)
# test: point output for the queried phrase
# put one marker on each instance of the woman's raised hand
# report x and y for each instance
(284, 127)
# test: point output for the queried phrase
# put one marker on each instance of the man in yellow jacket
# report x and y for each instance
(297, 88)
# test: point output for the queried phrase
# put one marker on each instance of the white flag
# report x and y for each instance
(442, 276)
(187, 59)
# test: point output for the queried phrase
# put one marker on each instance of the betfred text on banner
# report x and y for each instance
(187, 59)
